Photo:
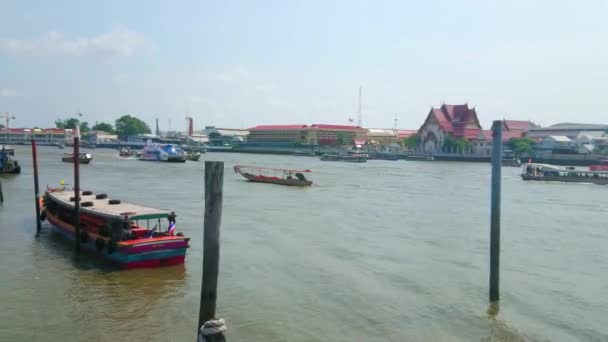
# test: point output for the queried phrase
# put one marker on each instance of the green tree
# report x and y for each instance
(104, 126)
(521, 146)
(411, 142)
(452, 144)
(128, 125)
(71, 124)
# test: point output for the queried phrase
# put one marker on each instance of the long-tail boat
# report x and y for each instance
(128, 235)
(273, 176)
(83, 158)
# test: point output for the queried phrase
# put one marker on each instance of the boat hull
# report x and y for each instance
(344, 159)
(80, 160)
(149, 252)
(278, 181)
(594, 180)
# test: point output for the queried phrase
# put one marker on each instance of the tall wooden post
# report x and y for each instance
(214, 180)
(77, 193)
(36, 188)
(495, 212)
(3, 158)
(1, 194)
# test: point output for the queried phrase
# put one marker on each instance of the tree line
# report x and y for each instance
(124, 126)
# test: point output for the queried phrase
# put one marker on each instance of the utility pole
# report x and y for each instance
(359, 110)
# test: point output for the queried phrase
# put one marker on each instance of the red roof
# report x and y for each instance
(337, 127)
(405, 133)
(470, 133)
(518, 125)
(300, 127)
(35, 130)
(458, 120)
(277, 127)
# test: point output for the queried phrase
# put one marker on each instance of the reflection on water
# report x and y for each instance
(383, 251)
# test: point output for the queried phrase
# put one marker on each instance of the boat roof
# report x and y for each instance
(268, 168)
(101, 207)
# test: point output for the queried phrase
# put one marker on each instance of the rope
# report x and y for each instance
(212, 327)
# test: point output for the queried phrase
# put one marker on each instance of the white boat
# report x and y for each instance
(163, 152)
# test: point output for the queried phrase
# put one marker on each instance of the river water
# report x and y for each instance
(382, 251)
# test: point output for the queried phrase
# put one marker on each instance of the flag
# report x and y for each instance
(171, 228)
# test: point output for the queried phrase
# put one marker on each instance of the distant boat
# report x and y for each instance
(511, 162)
(85, 158)
(126, 152)
(304, 153)
(601, 166)
(164, 153)
(420, 157)
(383, 156)
(193, 156)
(273, 176)
(570, 174)
(7, 164)
(345, 157)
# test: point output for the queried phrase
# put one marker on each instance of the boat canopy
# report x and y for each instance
(102, 207)
(238, 167)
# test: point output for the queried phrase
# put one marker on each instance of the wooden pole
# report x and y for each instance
(495, 212)
(214, 180)
(77, 193)
(36, 188)
(3, 158)
(1, 194)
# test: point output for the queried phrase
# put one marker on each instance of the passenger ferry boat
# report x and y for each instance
(166, 153)
(553, 173)
(115, 230)
(345, 157)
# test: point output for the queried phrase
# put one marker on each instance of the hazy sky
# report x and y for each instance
(242, 63)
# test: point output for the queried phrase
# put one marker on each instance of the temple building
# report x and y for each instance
(460, 121)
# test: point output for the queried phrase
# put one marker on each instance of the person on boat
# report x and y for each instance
(171, 217)
(289, 175)
(300, 176)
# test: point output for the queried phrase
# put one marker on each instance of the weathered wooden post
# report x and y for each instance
(1, 194)
(214, 180)
(495, 211)
(77, 193)
(36, 188)
(3, 158)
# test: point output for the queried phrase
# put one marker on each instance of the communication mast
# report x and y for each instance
(359, 111)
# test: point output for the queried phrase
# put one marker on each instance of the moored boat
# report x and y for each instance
(126, 152)
(165, 153)
(420, 157)
(115, 230)
(515, 162)
(84, 158)
(570, 174)
(273, 176)
(383, 156)
(7, 164)
(345, 157)
(193, 156)
(601, 166)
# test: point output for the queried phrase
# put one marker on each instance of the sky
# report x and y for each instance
(238, 64)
